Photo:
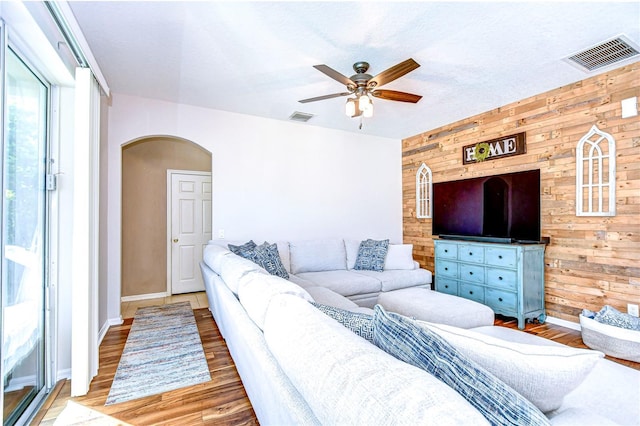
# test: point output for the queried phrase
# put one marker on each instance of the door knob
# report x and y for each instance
(175, 240)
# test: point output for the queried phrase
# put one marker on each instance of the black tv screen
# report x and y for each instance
(504, 208)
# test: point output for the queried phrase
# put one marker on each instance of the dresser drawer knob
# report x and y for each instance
(470, 292)
(470, 254)
(446, 269)
(500, 278)
(500, 256)
(499, 299)
(470, 273)
(446, 251)
(446, 286)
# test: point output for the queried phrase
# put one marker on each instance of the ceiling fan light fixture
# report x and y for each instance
(364, 102)
(350, 107)
(368, 111)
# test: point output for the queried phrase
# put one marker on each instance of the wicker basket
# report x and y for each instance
(613, 341)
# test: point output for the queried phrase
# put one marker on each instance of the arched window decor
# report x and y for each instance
(423, 192)
(596, 174)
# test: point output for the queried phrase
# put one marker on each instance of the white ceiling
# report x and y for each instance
(256, 57)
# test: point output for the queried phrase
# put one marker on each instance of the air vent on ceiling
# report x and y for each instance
(607, 53)
(300, 116)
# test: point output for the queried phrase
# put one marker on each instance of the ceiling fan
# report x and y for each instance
(363, 86)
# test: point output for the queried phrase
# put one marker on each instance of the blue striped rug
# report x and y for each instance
(163, 352)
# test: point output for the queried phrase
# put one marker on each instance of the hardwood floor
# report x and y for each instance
(222, 401)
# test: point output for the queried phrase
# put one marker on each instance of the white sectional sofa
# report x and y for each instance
(300, 366)
(330, 263)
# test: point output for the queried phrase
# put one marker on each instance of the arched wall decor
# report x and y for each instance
(596, 174)
(423, 192)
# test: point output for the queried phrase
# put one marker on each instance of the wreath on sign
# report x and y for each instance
(482, 151)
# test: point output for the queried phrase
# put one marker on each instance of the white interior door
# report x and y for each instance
(189, 230)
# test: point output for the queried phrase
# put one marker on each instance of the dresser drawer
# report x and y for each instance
(501, 256)
(470, 253)
(446, 250)
(502, 278)
(446, 268)
(472, 273)
(473, 292)
(502, 302)
(444, 285)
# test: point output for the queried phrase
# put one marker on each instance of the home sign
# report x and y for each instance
(495, 148)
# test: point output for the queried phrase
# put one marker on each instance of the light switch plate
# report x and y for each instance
(632, 309)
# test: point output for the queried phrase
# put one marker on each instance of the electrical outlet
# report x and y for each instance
(632, 309)
(221, 234)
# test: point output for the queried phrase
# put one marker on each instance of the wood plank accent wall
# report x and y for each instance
(591, 261)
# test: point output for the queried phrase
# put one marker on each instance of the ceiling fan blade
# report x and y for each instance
(321, 98)
(393, 95)
(335, 75)
(393, 73)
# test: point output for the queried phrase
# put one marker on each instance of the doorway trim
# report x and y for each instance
(170, 173)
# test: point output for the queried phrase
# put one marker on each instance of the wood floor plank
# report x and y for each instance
(222, 400)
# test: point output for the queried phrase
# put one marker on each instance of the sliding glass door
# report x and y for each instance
(23, 236)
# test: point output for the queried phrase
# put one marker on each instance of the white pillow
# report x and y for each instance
(399, 256)
(352, 247)
(542, 374)
(317, 255)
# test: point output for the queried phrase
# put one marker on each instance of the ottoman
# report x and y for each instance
(428, 305)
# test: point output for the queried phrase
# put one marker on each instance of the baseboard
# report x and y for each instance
(64, 374)
(105, 327)
(144, 296)
(564, 323)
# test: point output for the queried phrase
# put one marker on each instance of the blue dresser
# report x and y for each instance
(509, 278)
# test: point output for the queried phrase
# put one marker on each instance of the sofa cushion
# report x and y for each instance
(416, 345)
(234, 267)
(351, 247)
(399, 256)
(343, 282)
(301, 281)
(255, 292)
(360, 324)
(542, 374)
(397, 279)
(371, 255)
(317, 255)
(212, 256)
(329, 297)
(348, 381)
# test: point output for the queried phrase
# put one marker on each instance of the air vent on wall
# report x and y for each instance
(607, 53)
(300, 116)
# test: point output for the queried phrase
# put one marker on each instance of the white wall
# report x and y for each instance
(272, 179)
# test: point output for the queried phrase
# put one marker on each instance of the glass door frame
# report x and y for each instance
(49, 299)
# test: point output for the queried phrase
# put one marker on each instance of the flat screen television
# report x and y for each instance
(498, 208)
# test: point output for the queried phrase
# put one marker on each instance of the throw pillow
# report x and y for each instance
(611, 316)
(361, 324)
(401, 337)
(399, 256)
(244, 249)
(267, 256)
(542, 374)
(371, 255)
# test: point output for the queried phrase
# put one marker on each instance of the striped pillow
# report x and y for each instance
(499, 404)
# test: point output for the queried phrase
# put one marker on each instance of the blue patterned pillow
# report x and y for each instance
(243, 250)
(267, 256)
(611, 316)
(359, 323)
(371, 255)
(501, 405)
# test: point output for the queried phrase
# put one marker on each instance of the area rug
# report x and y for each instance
(163, 352)
(75, 414)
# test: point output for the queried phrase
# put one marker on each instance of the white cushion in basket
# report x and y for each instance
(256, 291)
(348, 381)
(317, 255)
(542, 374)
(399, 256)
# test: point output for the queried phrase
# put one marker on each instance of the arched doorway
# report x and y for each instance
(144, 209)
